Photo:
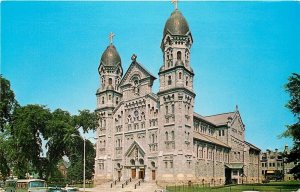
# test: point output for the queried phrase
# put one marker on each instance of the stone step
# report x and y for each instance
(106, 187)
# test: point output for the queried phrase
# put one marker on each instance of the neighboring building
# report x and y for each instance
(274, 165)
(62, 167)
(159, 136)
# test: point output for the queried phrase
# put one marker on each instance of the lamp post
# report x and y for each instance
(84, 140)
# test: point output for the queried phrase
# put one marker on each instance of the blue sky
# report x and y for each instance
(243, 53)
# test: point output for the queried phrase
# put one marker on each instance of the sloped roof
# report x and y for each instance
(133, 146)
(235, 165)
(141, 67)
(146, 70)
(202, 118)
(220, 119)
(210, 139)
(252, 146)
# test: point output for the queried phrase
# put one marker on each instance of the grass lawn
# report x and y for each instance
(274, 186)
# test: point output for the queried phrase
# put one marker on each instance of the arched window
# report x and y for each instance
(132, 162)
(110, 81)
(100, 121)
(117, 100)
(173, 135)
(179, 55)
(102, 100)
(169, 80)
(186, 55)
(135, 85)
(167, 136)
(186, 80)
(141, 161)
(180, 75)
(169, 41)
(153, 164)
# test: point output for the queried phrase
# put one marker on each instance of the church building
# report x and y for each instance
(158, 136)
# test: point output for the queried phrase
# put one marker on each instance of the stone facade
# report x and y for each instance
(159, 136)
(274, 166)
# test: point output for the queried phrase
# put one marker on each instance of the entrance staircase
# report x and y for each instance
(135, 185)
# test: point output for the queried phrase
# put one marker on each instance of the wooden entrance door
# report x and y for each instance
(142, 174)
(133, 173)
(153, 174)
(119, 175)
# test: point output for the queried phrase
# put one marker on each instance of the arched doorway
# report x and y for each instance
(119, 171)
(153, 175)
(133, 170)
(142, 169)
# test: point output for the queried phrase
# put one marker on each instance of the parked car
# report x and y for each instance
(70, 189)
(55, 189)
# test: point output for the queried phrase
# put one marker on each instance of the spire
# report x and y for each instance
(175, 2)
(111, 36)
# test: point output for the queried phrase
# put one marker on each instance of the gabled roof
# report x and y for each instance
(210, 139)
(141, 67)
(203, 118)
(220, 119)
(252, 146)
(133, 146)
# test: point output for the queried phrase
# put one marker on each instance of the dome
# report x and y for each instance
(176, 24)
(110, 57)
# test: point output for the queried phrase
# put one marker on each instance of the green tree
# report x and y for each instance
(24, 129)
(86, 119)
(4, 162)
(8, 103)
(293, 131)
(90, 159)
(58, 132)
(75, 171)
(29, 125)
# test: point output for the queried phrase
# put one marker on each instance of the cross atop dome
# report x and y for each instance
(175, 2)
(111, 36)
